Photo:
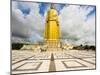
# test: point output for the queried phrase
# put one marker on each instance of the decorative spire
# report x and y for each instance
(52, 6)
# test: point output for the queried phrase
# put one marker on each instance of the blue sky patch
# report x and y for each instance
(42, 8)
(92, 12)
(24, 9)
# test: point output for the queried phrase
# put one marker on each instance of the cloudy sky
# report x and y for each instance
(77, 22)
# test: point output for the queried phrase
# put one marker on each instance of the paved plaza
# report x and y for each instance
(29, 62)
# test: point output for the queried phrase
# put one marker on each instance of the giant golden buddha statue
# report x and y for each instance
(52, 30)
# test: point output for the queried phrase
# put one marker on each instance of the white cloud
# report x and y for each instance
(22, 26)
(74, 26)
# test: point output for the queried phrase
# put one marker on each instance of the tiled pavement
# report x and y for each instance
(29, 62)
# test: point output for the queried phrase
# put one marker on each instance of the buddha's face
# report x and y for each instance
(53, 14)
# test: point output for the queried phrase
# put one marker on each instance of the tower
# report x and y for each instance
(52, 30)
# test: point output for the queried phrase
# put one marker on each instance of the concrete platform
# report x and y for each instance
(29, 62)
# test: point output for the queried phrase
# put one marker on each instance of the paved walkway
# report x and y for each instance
(29, 62)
